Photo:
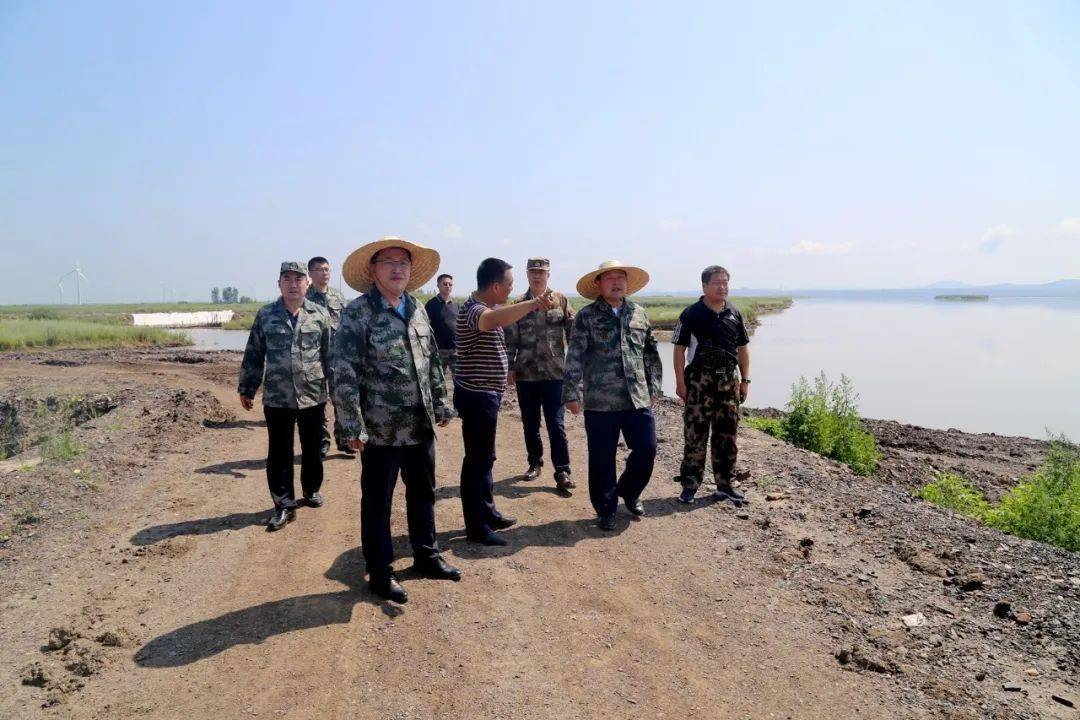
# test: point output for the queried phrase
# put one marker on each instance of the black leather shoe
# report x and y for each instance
(534, 470)
(563, 481)
(389, 588)
(346, 450)
(315, 500)
(634, 506)
(437, 568)
(606, 522)
(280, 518)
(489, 538)
(504, 522)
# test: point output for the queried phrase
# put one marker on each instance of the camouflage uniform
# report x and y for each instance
(390, 392)
(615, 357)
(334, 302)
(712, 391)
(290, 363)
(536, 351)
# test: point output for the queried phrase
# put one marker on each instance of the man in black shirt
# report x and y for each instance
(716, 335)
(442, 311)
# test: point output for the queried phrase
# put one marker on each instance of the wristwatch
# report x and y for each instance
(746, 380)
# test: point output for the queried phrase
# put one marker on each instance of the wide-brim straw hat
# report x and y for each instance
(359, 272)
(589, 284)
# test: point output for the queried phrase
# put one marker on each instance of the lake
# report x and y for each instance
(1008, 366)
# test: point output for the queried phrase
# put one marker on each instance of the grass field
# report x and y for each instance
(113, 314)
(28, 334)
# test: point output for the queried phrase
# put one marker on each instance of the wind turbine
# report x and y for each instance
(78, 289)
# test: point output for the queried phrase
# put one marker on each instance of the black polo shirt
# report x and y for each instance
(716, 336)
(443, 317)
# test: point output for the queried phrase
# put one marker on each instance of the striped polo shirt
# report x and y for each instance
(482, 363)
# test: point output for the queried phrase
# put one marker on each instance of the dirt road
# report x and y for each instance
(185, 607)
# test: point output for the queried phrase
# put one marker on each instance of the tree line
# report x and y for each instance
(228, 296)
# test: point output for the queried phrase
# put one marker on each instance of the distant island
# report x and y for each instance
(963, 298)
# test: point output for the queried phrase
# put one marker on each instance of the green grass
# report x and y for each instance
(113, 314)
(61, 446)
(27, 334)
(823, 418)
(1043, 506)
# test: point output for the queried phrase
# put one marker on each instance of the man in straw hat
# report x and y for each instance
(536, 349)
(321, 293)
(478, 388)
(709, 386)
(613, 355)
(287, 354)
(390, 393)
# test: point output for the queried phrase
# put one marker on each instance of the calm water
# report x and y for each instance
(1008, 366)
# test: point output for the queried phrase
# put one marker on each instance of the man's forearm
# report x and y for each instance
(679, 363)
(744, 361)
(506, 315)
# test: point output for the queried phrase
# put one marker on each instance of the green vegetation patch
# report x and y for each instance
(823, 417)
(1044, 506)
(31, 334)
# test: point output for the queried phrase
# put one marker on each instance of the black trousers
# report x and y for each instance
(546, 395)
(279, 455)
(479, 413)
(380, 465)
(602, 433)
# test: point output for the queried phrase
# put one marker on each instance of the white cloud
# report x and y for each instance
(453, 231)
(1068, 227)
(992, 240)
(809, 247)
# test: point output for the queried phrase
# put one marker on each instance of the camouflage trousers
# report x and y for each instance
(712, 407)
(449, 361)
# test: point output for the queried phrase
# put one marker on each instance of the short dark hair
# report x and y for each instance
(444, 275)
(375, 257)
(707, 273)
(315, 261)
(491, 271)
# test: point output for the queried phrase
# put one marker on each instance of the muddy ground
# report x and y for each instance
(137, 580)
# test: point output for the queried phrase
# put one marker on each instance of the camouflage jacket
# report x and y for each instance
(295, 360)
(536, 344)
(615, 357)
(332, 300)
(389, 383)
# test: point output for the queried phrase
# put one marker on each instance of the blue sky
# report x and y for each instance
(186, 145)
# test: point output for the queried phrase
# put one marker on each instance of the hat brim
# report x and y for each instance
(589, 285)
(358, 272)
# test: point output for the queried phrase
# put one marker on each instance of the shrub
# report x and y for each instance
(1046, 505)
(62, 446)
(956, 493)
(772, 426)
(824, 418)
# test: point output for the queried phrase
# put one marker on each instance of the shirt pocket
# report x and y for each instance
(279, 340)
(637, 332)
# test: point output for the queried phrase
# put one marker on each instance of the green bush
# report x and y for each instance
(62, 446)
(1046, 505)
(956, 493)
(824, 418)
(772, 426)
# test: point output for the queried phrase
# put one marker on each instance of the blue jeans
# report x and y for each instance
(479, 412)
(602, 431)
(546, 395)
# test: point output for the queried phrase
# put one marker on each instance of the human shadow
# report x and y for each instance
(510, 487)
(254, 625)
(202, 526)
(233, 424)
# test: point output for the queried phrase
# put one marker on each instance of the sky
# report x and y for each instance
(171, 147)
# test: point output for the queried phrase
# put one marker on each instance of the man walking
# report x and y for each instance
(391, 394)
(287, 354)
(478, 389)
(442, 311)
(536, 352)
(709, 386)
(330, 298)
(613, 369)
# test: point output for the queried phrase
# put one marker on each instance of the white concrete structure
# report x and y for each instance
(213, 318)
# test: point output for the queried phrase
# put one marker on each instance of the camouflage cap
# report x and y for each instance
(293, 266)
(538, 263)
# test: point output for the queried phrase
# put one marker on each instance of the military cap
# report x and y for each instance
(293, 266)
(538, 263)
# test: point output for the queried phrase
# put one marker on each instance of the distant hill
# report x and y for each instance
(1058, 288)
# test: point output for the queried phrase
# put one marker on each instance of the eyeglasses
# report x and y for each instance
(398, 264)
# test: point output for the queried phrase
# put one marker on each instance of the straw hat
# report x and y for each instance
(359, 273)
(589, 285)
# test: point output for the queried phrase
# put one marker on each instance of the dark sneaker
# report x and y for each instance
(563, 481)
(726, 492)
(534, 470)
(687, 495)
(280, 518)
(389, 588)
(606, 522)
(315, 500)
(345, 449)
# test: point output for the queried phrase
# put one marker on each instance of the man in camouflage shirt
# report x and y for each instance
(330, 298)
(287, 353)
(390, 394)
(536, 352)
(613, 369)
(716, 332)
